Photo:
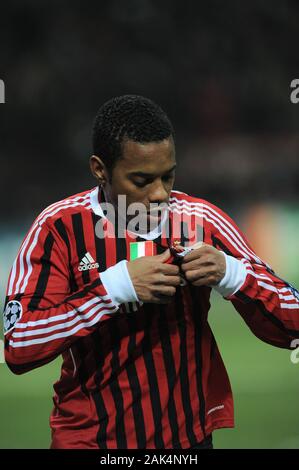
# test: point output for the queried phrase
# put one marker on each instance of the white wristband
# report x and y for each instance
(118, 284)
(234, 277)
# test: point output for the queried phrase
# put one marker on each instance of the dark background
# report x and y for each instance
(222, 71)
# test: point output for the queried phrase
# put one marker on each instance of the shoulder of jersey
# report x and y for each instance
(178, 197)
(76, 203)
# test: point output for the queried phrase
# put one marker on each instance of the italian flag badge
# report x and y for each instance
(138, 249)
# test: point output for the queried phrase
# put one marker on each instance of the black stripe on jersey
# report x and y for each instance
(44, 274)
(244, 298)
(96, 394)
(171, 374)
(213, 345)
(182, 331)
(197, 342)
(60, 227)
(98, 352)
(121, 253)
(170, 370)
(200, 233)
(184, 378)
(184, 230)
(197, 318)
(218, 243)
(116, 392)
(82, 369)
(160, 249)
(259, 304)
(115, 335)
(80, 243)
(77, 223)
(28, 366)
(135, 385)
(152, 376)
(83, 292)
(100, 245)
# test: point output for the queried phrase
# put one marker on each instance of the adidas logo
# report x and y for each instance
(87, 262)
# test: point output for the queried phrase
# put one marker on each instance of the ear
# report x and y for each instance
(98, 169)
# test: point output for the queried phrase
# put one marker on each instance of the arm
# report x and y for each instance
(42, 317)
(268, 304)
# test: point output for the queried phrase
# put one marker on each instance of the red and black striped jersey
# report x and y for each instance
(133, 375)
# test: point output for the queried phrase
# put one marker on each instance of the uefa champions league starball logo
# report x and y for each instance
(12, 314)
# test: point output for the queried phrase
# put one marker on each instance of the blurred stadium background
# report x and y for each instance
(222, 71)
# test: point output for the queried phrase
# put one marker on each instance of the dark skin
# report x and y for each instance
(145, 174)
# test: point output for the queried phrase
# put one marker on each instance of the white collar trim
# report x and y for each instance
(96, 207)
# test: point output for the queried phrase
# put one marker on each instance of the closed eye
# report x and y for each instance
(146, 180)
(141, 184)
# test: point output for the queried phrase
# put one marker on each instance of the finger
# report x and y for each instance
(180, 247)
(197, 263)
(197, 274)
(198, 252)
(198, 245)
(193, 247)
(204, 281)
(163, 256)
(164, 290)
(169, 269)
(195, 254)
(170, 280)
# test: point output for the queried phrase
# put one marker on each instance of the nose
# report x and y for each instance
(158, 193)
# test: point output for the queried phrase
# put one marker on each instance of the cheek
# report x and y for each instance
(120, 186)
(131, 192)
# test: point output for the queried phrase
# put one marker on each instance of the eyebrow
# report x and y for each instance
(148, 175)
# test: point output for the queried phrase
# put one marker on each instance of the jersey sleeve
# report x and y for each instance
(268, 304)
(42, 317)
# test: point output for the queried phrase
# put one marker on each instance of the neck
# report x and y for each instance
(147, 233)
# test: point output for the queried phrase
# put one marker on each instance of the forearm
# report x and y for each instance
(42, 334)
(269, 305)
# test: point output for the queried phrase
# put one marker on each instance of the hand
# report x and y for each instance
(205, 266)
(154, 280)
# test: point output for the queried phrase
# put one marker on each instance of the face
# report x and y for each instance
(145, 174)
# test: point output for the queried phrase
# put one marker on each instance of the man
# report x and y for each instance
(141, 368)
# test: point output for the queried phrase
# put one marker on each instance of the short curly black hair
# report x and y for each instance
(130, 117)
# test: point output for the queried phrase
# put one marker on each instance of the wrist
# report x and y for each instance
(234, 278)
(118, 283)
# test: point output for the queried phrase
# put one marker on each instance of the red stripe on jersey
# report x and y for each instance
(149, 248)
(147, 376)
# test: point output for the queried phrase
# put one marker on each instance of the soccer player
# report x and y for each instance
(127, 308)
